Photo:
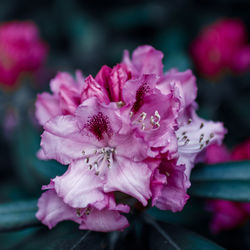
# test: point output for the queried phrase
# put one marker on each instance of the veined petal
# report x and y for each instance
(52, 209)
(79, 186)
(129, 177)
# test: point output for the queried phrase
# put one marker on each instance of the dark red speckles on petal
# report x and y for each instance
(98, 125)
(139, 98)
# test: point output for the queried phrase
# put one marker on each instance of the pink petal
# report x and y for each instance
(194, 136)
(145, 60)
(173, 194)
(52, 209)
(62, 140)
(104, 221)
(132, 178)
(93, 89)
(47, 107)
(79, 186)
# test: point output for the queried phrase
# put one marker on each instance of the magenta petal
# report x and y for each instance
(52, 209)
(93, 89)
(79, 186)
(173, 194)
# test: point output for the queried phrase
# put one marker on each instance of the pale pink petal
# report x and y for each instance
(145, 60)
(52, 209)
(47, 107)
(62, 78)
(62, 140)
(104, 221)
(79, 186)
(195, 136)
(184, 81)
(132, 178)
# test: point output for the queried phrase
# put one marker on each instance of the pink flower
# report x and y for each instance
(131, 131)
(242, 151)
(227, 214)
(220, 46)
(21, 50)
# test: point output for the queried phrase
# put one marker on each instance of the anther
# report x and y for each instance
(201, 146)
(211, 135)
(189, 120)
(207, 141)
(202, 125)
(201, 137)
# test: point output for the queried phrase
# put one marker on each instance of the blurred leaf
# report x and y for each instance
(222, 172)
(225, 190)
(64, 236)
(227, 181)
(193, 209)
(17, 215)
(165, 236)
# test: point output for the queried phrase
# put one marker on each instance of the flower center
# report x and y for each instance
(98, 125)
(100, 160)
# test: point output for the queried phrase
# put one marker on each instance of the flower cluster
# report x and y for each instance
(129, 134)
(227, 214)
(21, 50)
(220, 46)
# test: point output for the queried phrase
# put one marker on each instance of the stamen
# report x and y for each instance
(202, 125)
(189, 120)
(167, 174)
(201, 137)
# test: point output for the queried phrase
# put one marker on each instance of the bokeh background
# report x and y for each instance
(87, 34)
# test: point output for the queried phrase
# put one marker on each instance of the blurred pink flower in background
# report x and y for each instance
(221, 46)
(21, 50)
(227, 214)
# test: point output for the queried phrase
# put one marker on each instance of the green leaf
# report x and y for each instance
(18, 215)
(225, 190)
(227, 181)
(230, 171)
(164, 236)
